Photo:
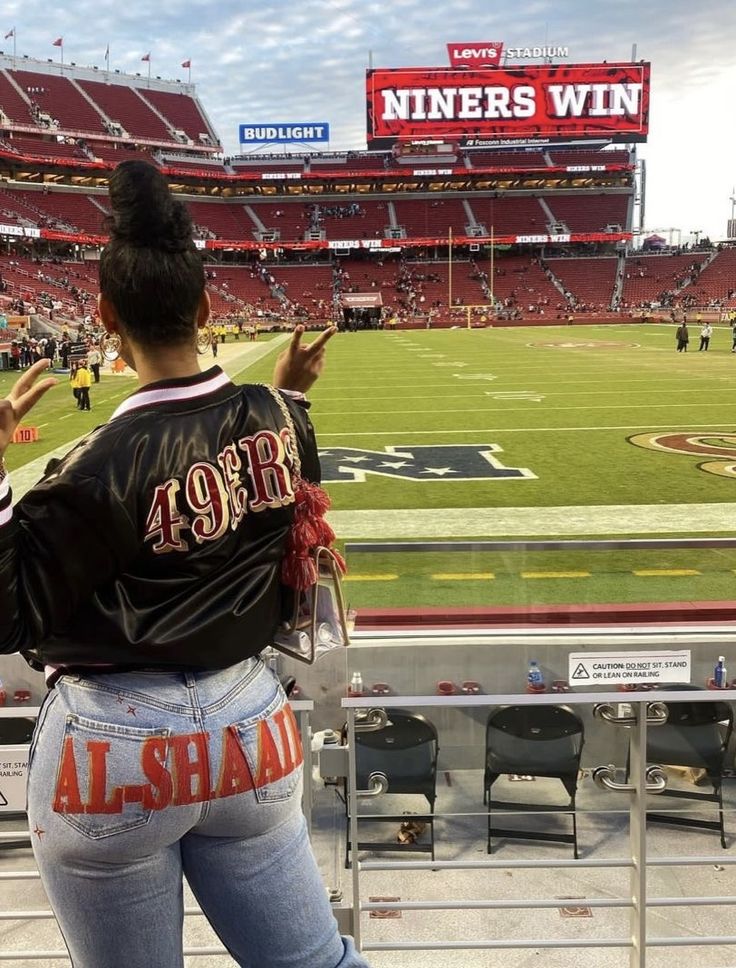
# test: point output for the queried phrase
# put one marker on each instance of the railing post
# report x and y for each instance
(638, 836)
(308, 787)
(353, 809)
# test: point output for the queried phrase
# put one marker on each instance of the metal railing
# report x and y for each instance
(642, 714)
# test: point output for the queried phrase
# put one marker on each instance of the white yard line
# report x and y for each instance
(394, 433)
(613, 406)
(529, 522)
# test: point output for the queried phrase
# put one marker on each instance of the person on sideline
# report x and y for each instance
(74, 383)
(143, 575)
(683, 337)
(84, 382)
(705, 334)
(94, 359)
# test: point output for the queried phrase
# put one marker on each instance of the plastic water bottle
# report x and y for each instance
(720, 674)
(534, 677)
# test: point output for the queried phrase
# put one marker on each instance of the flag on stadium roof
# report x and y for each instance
(186, 63)
(10, 33)
(59, 42)
(146, 57)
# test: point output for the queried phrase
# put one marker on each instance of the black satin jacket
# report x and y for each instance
(157, 541)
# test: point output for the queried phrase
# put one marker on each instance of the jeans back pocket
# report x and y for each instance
(273, 750)
(111, 778)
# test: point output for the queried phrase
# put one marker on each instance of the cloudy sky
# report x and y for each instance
(288, 61)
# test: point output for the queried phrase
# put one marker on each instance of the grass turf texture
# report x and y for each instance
(598, 386)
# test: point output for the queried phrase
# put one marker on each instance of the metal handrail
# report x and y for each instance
(657, 714)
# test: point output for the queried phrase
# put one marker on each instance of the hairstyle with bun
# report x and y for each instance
(150, 270)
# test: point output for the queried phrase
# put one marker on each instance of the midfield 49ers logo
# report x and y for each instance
(719, 448)
(439, 462)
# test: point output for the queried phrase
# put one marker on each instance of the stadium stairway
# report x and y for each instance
(90, 101)
(717, 279)
(14, 101)
(152, 107)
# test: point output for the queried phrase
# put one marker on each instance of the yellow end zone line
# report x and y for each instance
(665, 572)
(555, 574)
(470, 576)
(389, 577)
(490, 576)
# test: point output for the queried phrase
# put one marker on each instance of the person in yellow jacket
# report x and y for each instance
(73, 371)
(84, 382)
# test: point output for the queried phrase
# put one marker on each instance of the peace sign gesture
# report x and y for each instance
(298, 367)
(23, 397)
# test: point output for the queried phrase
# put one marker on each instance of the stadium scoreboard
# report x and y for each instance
(489, 106)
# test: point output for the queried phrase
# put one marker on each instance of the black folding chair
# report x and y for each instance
(695, 735)
(405, 751)
(538, 741)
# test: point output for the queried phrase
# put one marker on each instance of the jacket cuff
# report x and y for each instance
(297, 396)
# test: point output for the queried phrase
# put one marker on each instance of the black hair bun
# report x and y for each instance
(144, 212)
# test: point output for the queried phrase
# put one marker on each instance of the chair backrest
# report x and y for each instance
(696, 734)
(405, 750)
(539, 740)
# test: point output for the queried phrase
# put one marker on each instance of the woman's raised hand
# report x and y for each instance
(298, 367)
(25, 394)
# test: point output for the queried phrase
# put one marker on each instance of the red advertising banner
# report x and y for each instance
(536, 104)
(484, 54)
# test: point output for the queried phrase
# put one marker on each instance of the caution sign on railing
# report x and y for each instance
(25, 435)
(13, 778)
(628, 668)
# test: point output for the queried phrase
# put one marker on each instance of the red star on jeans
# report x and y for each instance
(131, 710)
(120, 699)
(38, 832)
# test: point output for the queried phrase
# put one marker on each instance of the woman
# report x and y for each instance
(165, 747)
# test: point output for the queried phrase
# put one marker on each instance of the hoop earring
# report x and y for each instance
(204, 340)
(110, 346)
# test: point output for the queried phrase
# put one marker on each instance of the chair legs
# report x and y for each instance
(677, 820)
(718, 790)
(534, 835)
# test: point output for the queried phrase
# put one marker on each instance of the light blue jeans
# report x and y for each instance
(139, 778)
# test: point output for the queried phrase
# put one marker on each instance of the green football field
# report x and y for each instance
(507, 433)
